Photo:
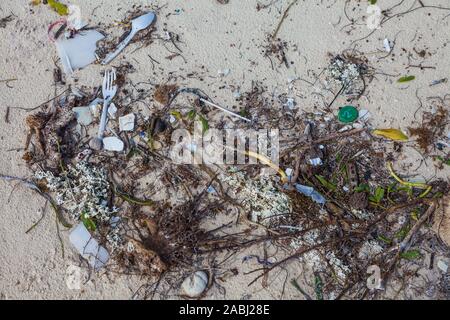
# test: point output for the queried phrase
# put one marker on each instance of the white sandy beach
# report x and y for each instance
(213, 37)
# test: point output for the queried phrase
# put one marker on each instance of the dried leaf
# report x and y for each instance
(393, 134)
(268, 162)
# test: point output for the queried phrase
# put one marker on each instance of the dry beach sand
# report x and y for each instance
(213, 37)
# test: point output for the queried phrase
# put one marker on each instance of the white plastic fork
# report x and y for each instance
(109, 90)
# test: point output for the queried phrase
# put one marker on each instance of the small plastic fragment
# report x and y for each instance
(310, 192)
(315, 162)
(364, 115)
(387, 45)
(223, 72)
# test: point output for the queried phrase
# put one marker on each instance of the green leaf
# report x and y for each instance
(445, 161)
(406, 79)
(205, 125)
(58, 7)
(244, 113)
(378, 196)
(318, 287)
(326, 183)
(362, 188)
(191, 115)
(384, 239)
(130, 199)
(438, 195)
(415, 214)
(88, 222)
(411, 254)
(133, 151)
(372, 2)
(401, 234)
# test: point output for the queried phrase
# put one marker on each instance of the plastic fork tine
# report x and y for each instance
(110, 84)
(105, 79)
(113, 78)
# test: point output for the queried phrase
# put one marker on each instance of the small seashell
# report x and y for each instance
(194, 285)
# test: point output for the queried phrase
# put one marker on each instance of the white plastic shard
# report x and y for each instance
(315, 162)
(88, 247)
(364, 115)
(79, 51)
(387, 45)
(113, 144)
(126, 123)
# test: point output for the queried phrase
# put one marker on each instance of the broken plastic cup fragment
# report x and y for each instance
(88, 247)
(79, 51)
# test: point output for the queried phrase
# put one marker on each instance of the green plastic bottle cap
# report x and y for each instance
(348, 114)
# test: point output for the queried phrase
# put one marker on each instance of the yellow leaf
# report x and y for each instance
(36, 2)
(393, 134)
(176, 114)
(59, 7)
